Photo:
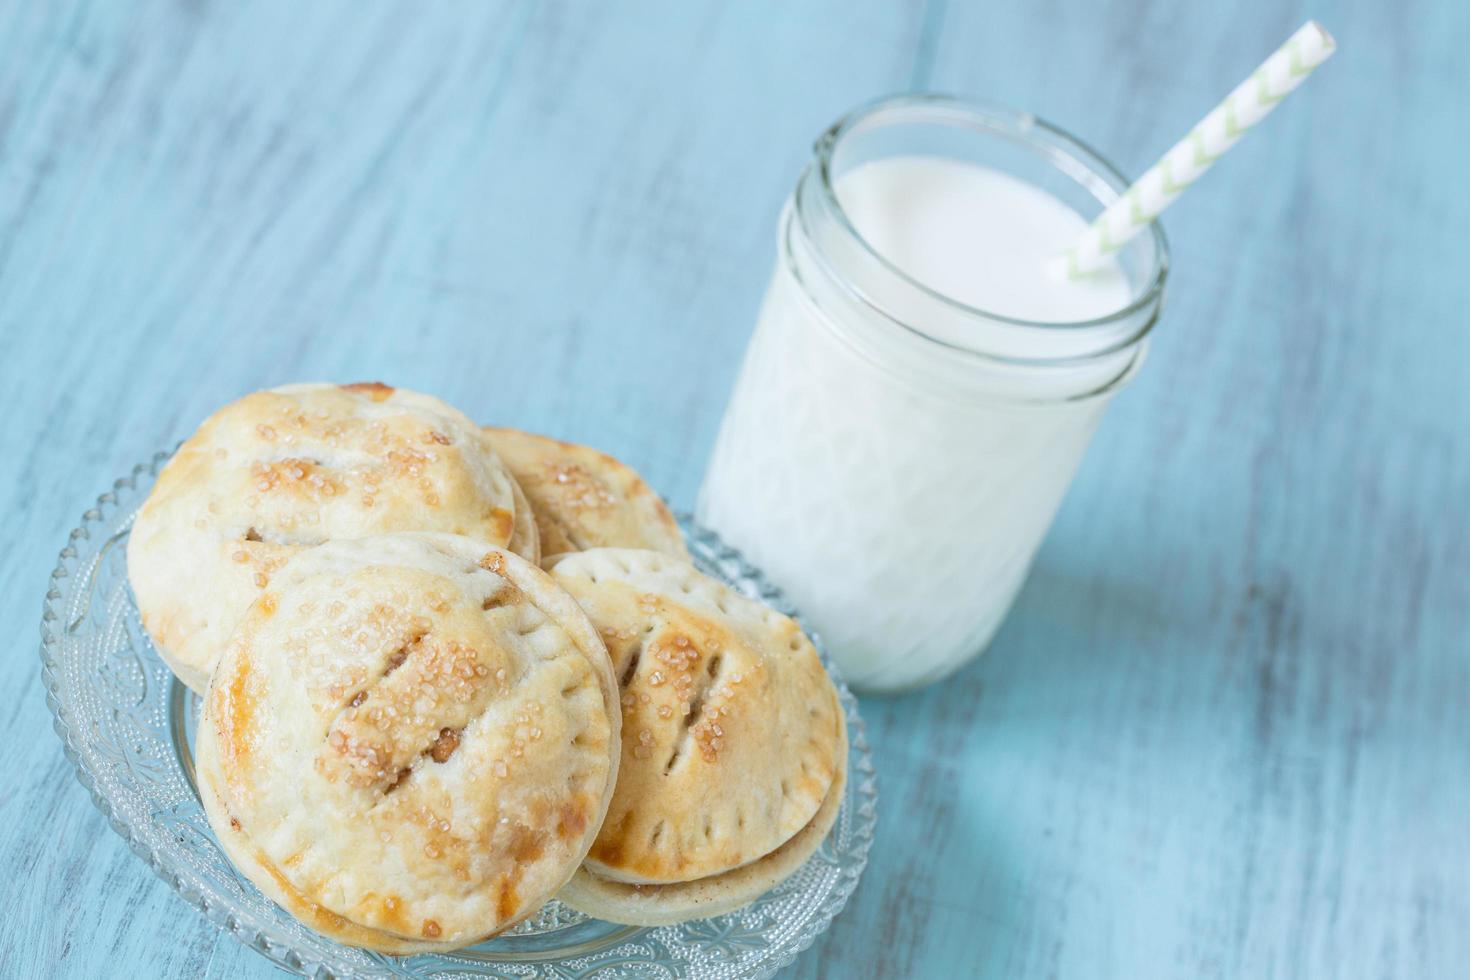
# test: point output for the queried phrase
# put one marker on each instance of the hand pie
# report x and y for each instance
(289, 468)
(410, 741)
(734, 743)
(584, 498)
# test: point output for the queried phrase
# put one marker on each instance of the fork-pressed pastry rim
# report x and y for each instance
(666, 949)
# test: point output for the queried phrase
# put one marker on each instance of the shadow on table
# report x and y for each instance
(986, 777)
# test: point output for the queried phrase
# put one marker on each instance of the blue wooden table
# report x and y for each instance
(1226, 730)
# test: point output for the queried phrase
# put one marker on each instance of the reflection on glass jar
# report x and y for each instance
(893, 454)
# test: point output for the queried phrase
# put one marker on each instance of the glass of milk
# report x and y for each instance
(919, 389)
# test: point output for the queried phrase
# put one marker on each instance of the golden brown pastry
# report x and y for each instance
(525, 537)
(658, 905)
(734, 742)
(285, 469)
(584, 498)
(410, 741)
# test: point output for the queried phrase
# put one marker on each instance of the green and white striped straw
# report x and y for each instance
(1251, 101)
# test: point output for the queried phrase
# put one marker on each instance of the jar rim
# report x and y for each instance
(1061, 149)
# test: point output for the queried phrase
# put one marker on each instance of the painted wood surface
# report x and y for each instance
(1226, 731)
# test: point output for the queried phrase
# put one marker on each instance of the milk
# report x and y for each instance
(978, 236)
(882, 458)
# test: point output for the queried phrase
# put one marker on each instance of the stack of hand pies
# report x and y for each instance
(449, 673)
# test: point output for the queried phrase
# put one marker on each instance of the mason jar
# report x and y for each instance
(891, 456)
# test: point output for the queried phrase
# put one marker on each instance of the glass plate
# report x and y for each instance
(127, 726)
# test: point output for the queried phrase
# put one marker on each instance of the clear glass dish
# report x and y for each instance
(127, 726)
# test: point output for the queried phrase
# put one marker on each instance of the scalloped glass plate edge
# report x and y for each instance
(103, 678)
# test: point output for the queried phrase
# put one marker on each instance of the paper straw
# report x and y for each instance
(1251, 102)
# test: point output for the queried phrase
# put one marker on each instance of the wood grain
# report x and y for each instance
(1224, 732)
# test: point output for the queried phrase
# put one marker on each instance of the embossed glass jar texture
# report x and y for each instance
(893, 457)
